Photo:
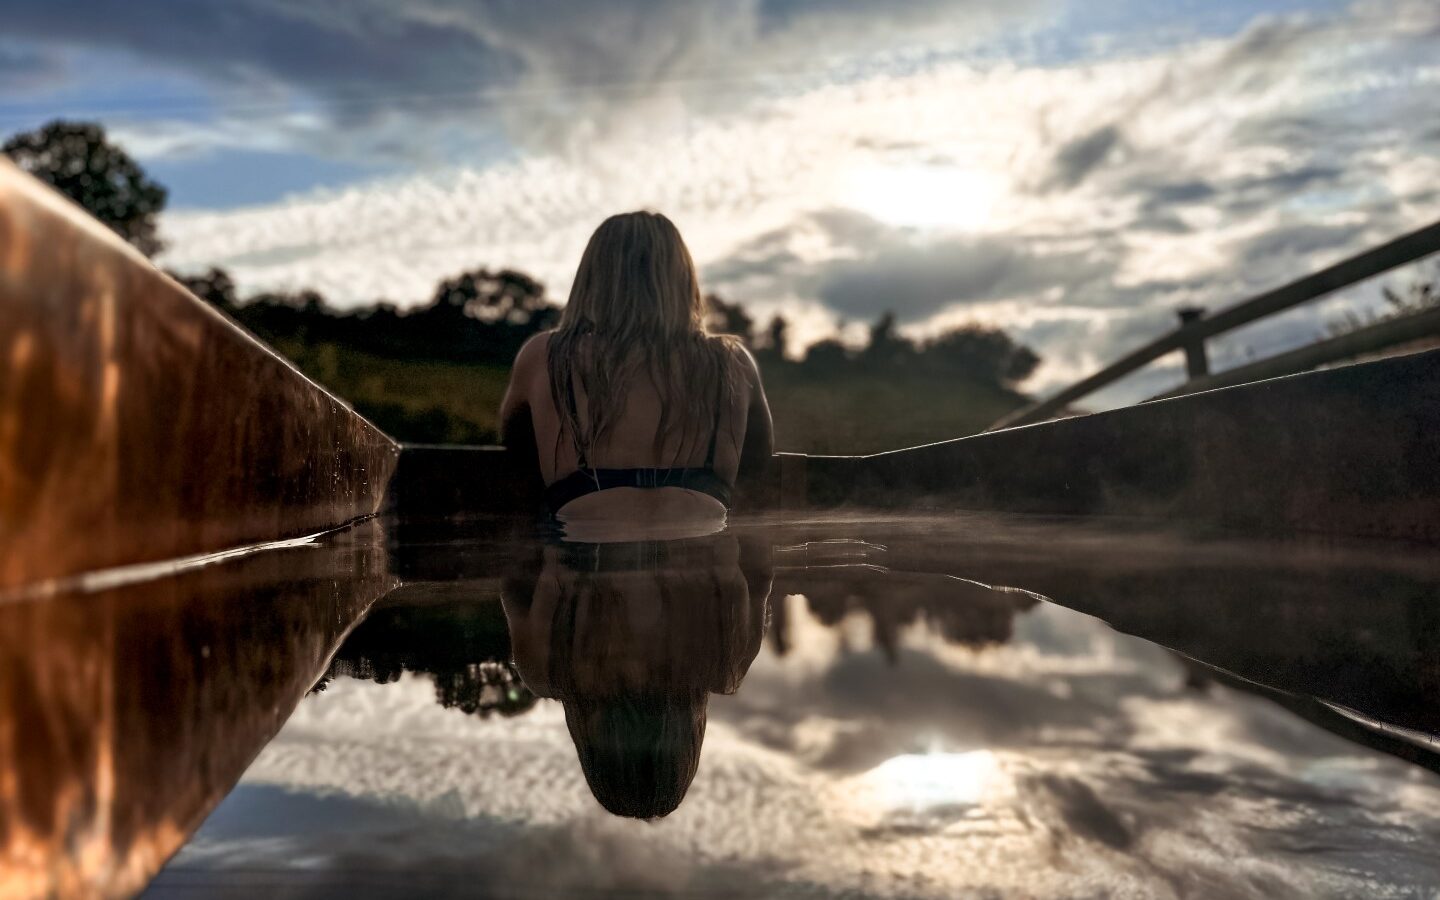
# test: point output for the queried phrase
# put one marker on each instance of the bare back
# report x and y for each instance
(741, 434)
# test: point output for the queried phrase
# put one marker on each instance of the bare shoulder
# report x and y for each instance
(744, 362)
(529, 365)
(533, 356)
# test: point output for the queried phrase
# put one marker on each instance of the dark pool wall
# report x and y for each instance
(1353, 451)
(1350, 451)
(442, 479)
(139, 424)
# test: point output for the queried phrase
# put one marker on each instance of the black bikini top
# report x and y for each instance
(586, 480)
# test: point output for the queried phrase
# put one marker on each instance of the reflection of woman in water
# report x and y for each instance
(636, 415)
(632, 638)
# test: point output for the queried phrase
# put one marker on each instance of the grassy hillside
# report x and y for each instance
(437, 402)
(422, 401)
(859, 413)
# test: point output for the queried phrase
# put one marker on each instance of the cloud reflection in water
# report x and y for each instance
(887, 752)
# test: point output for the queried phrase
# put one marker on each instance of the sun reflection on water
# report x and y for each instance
(920, 781)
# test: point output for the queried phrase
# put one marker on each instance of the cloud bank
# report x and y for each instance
(376, 78)
(826, 160)
(1075, 203)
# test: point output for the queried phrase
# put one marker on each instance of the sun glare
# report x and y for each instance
(924, 196)
(918, 781)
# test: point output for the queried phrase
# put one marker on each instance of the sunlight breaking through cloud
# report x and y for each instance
(935, 165)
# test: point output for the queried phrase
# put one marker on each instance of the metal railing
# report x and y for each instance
(1196, 328)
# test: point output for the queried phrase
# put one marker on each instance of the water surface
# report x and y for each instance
(850, 706)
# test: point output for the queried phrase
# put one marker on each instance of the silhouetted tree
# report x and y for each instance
(972, 352)
(77, 160)
(729, 318)
(887, 349)
(777, 337)
(463, 646)
(963, 614)
(504, 296)
(478, 317)
(828, 355)
(980, 354)
(382, 315)
(214, 286)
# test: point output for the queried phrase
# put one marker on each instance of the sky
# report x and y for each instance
(1071, 172)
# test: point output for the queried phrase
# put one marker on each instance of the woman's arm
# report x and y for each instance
(759, 446)
(515, 406)
(517, 428)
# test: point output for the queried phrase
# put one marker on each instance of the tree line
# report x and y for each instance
(481, 316)
(484, 316)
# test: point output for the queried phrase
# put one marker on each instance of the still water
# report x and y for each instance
(843, 707)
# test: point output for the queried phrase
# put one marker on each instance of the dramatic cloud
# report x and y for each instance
(1075, 199)
(1080, 156)
(552, 72)
(870, 267)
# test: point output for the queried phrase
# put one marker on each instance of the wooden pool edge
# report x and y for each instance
(139, 424)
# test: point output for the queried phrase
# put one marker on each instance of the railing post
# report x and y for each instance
(1197, 364)
(1405, 249)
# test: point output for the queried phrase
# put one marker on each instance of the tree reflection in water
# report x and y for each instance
(963, 613)
(462, 644)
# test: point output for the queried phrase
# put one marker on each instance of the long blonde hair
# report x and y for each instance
(635, 308)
